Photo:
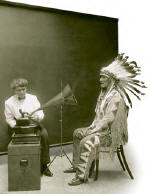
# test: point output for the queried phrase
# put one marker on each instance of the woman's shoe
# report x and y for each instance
(47, 172)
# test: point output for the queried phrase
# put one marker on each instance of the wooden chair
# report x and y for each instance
(122, 160)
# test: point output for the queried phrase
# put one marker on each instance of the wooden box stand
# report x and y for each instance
(24, 167)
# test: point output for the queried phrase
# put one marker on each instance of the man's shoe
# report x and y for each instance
(75, 181)
(47, 172)
(70, 170)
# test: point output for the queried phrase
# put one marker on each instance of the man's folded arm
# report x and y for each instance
(109, 115)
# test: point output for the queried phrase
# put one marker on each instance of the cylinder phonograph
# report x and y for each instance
(25, 131)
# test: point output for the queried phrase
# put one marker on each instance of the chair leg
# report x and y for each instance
(125, 162)
(120, 160)
(92, 168)
(97, 169)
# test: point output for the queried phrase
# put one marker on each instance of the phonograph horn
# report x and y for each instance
(66, 96)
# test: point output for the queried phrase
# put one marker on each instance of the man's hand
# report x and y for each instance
(89, 131)
(79, 135)
(93, 129)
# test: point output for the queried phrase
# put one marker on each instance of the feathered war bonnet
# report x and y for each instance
(124, 75)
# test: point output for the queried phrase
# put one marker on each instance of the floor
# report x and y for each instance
(112, 180)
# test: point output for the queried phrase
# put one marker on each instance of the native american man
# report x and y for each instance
(109, 128)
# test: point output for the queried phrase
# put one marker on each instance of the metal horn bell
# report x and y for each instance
(66, 96)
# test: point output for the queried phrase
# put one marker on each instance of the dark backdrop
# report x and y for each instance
(47, 46)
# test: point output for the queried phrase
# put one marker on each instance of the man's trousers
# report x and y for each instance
(84, 150)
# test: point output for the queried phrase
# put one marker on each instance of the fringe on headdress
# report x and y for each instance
(124, 73)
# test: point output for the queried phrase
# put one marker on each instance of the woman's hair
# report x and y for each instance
(19, 82)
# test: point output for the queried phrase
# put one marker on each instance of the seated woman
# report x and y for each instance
(109, 127)
(25, 102)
